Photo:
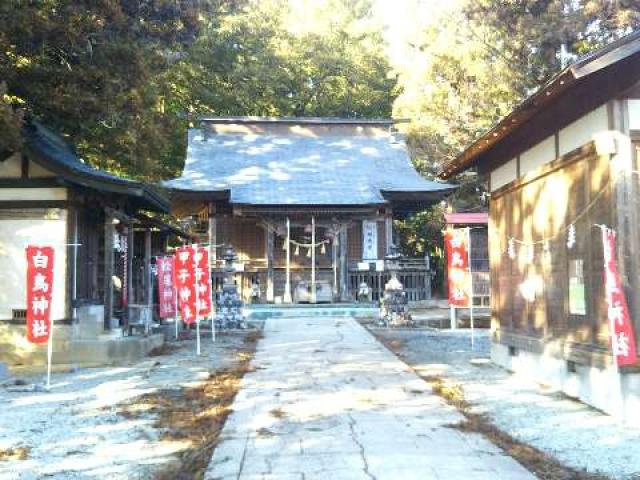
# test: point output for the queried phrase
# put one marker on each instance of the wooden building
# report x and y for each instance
(563, 161)
(48, 196)
(307, 204)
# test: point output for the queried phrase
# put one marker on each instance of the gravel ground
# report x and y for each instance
(574, 433)
(75, 431)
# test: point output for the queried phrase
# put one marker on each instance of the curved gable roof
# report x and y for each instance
(275, 168)
(49, 150)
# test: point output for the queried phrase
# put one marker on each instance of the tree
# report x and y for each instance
(94, 71)
(283, 58)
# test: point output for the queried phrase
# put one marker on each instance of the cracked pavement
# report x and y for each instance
(326, 400)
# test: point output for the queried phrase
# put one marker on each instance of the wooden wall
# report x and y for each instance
(248, 238)
(538, 206)
(245, 234)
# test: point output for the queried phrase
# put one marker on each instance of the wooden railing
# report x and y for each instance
(481, 289)
(413, 273)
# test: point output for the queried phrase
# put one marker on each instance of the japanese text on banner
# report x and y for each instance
(166, 287)
(623, 340)
(39, 293)
(185, 281)
(203, 282)
(456, 241)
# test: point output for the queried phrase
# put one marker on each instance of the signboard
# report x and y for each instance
(623, 342)
(457, 243)
(369, 240)
(166, 287)
(185, 281)
(39, 293)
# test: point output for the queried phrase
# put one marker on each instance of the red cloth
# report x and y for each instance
(203, 279)
(623, 341)
(39, 293)
(185, 280)
(457, 241)
(166, 287)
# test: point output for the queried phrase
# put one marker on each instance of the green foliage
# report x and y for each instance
(473, 61)
(282, 58)
(421, 235)
(94, 71)
(121, 77)
(10, 121)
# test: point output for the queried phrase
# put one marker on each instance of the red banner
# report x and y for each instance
(39, 289)
(623, 341)
(166, 287)
(203, 279)
(456, 241)
(185, 280)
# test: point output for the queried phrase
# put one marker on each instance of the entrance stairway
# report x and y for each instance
(356, 310)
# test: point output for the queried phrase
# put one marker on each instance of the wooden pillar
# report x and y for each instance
(212, 233)
(388, 231)
(108, 270)
(344, 273)
(72, 263)
(130, 254)
(270, 244)
(287, 284)
(313, 260)
(147, 268)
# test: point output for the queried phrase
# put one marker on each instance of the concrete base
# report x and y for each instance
(604, 389)
(69, 349)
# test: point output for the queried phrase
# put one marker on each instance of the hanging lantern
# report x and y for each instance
(309, 252)
(284, 245)
(511, 249)
(297, 252)
(571, 236)
(323, 249)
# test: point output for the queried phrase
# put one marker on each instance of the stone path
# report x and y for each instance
(328, 401)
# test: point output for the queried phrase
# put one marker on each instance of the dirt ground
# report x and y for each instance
(156, 419)
(553, 436)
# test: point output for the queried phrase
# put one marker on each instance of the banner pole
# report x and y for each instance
(195, 280)
(470, 288)
(197, 335)
(49, 354)
(617, 378)
(175, 299)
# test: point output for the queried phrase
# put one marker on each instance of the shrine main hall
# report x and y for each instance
(306, 203)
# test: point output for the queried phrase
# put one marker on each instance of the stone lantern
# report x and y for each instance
(394, 308)
(392, 265)
(228, 255)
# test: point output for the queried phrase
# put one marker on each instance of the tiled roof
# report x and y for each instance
(462, 218)
(285, 169)
(56, 155)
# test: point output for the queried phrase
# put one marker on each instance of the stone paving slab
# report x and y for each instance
(326, 400)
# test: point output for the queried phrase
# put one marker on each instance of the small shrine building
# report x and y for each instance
(307, 204)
